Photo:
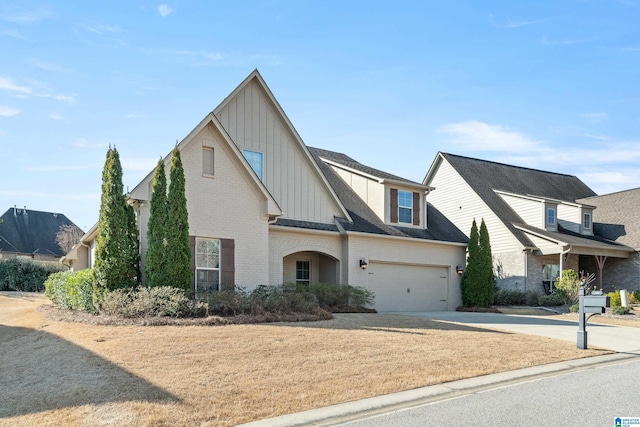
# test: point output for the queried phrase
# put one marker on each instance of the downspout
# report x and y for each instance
(88, 253)
(562, 254)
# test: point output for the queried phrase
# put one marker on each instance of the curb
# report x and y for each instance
(349, 411)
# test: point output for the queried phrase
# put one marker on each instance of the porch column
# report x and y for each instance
(600, 260)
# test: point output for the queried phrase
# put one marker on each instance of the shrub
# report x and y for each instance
(338, 298)
(568, 286)
(620, 310)
(574, 308)
(509, 297)
(149, 302)
(552, 300)
(531, 298)
(72, 290)
(614, 299)
(25, 275)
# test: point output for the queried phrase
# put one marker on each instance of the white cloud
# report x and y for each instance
(52, 67)
(102, 29)
(8, 84)
(55, 116)
(29, 16)
(596, 117)
(8, 111)
(164, 10)
(14, 34)
(141, 164)
(480, 136)
(85, 143)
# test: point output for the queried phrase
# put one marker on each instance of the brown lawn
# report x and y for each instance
(632, 319)
(57, 373)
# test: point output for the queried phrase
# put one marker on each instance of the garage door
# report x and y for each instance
(401, 287)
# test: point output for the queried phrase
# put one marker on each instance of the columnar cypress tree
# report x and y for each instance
(113, 267)
(488, 278)
(133, 248)
(178, 252)
(469, 284)
(155, 265)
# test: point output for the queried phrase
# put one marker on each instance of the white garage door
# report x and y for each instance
(401, 287)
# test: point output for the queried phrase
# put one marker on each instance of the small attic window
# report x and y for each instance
(551, 216)
(255, 161)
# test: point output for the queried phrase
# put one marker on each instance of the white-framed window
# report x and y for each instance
(255, 160)
(405, 207)
(586, 221)
(551, 216)
(303, 272)
(207, 161)
(207, 265)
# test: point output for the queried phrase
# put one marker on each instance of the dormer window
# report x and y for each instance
(405, 206)
(586, 221)
(551, 217)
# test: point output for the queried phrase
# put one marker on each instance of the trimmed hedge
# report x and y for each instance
(160, 301)
(515, 297)
(25, 275)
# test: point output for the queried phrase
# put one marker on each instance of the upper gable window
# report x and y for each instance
(551, 216)
(207, 161)
(586, 221)
(405, 206)
(255, 160)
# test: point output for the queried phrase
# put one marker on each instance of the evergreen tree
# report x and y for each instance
(133, 248)
(113, 266)
(156, 264)
(487, 278)
(178, 252)
(469, 285)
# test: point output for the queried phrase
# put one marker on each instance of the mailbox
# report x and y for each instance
(596, 303)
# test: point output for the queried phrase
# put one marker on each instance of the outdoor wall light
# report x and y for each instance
(363, 264)
(459, 270)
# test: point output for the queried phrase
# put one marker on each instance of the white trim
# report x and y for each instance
(403, 238)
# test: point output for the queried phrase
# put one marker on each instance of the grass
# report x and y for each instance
(632, 319)
(60, 373)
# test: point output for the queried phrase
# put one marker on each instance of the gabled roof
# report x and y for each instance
(340, 159)
(272, 206)
(364, 220)
(257, 77)
(27, 231)
(616, 217)
(485, 176)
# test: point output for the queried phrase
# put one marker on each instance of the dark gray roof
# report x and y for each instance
(284, 222)
(576, 239)
(347, 161)
(366, 221)
(616, 216)
(484, 177)
(31, 232)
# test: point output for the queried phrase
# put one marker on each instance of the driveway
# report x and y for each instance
(617, 338)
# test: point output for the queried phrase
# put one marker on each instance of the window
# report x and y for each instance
(551, 216)
(586, 221)
(550, 274)
(405, 206)
(207, 161)
(303, 272)
(207, 265)
(255, 160)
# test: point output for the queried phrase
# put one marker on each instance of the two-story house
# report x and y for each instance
(539, 223)
(266, 209)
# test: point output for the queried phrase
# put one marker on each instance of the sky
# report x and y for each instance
(551, 85)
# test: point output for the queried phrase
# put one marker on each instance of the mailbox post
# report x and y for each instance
(592, 304)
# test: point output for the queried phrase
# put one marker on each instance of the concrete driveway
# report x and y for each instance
(617, 338)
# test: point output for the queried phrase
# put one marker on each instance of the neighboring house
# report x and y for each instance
(83, 254)
(31, 234)
(539, 223)
(266, 209)
(616, 218)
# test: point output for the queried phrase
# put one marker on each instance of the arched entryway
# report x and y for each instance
(310, 267)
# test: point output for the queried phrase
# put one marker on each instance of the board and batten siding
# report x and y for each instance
(531, 211)
(288, 173)
(570, 217)
(456, 200)
(369, 190)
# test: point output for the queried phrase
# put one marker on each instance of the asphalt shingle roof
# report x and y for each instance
(616, 217)
(366, 221)
(576, 239)
(485, 176)
(31, 232)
